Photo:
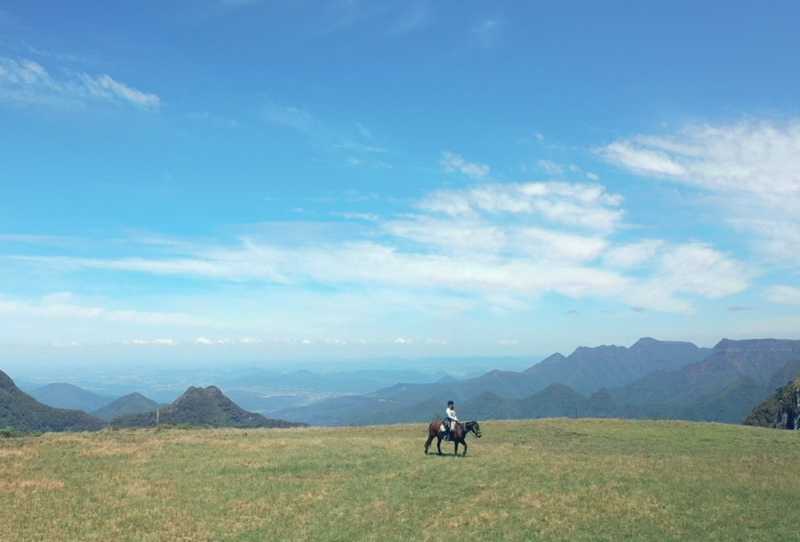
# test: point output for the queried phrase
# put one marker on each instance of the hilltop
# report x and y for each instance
(24, 413)
(133, 403)
(549, 480)
(201, 407)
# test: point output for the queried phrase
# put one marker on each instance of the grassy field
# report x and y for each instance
(539, 480)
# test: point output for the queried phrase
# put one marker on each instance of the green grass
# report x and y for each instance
(539, 480)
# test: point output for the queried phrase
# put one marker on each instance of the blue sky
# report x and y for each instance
(238, 179)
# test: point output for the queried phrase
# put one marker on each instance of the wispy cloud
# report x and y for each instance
(784, 294)
(550, 167)
(751, 169)
(573, 204)
(290, 116)
(452, 162)
(25, 82)
(355, 140)
(497, 245)
(633, 254)
(68, 306)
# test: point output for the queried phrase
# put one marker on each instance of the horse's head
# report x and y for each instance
(475, 427)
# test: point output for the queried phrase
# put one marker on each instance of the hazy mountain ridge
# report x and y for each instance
(679, 380)
(69, 396)
(586, 370)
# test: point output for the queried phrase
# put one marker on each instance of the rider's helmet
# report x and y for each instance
(450, 403)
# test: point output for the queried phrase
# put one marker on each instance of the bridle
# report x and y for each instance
(474, 428)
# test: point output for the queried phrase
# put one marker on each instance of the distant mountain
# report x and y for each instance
(62, 395)
(207, 407)
(555, 400)
(134, 403)
(22, 412)
(586, 370)
(781, 411)
(724, 387)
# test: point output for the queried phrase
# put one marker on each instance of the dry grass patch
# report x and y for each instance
(30, 485)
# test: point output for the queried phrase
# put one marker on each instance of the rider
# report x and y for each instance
(450, 418)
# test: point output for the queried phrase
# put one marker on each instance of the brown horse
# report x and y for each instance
(458, 434)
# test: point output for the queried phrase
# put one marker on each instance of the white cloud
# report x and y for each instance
(66, 306)
(209, 342)
(642, 160)
(27, 82)
(103, 86)
(366, 217)
(152, 342)
(699, 269)
(558, 246)
(750, 168)
(470, 235)
(784, 294)
(572, 204)
(550, 167)
(694, 269)
(497, 245)
(761, 158)
(455, 163)
(633, 254)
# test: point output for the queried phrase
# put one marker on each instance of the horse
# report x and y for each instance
(458, 434)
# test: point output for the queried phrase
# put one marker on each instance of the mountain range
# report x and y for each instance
(650, 379)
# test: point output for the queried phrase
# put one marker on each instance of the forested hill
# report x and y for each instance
(20, 411)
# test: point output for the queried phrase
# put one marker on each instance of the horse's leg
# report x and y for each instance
(439, 444)
(464, 442)
(456, 452)
(428, 443)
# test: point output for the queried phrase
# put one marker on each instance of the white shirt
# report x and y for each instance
(451, 414)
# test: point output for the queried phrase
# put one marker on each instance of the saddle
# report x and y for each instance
(447, 428)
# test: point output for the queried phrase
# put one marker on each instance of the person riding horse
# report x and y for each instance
(450, 419)
(457, 432)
